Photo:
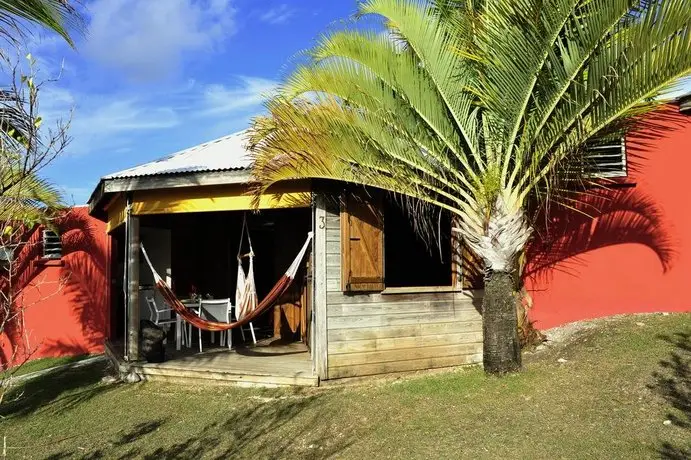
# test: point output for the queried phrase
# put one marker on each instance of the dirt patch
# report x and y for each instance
(569, 333)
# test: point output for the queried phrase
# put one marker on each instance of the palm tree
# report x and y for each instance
(58, 15)
(25, 197)
(482, 108)
(28, 201)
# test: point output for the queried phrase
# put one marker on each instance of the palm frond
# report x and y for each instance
(30, 200)
(57, 15)
(481, 108)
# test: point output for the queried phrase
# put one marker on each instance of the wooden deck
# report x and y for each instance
(268, 364)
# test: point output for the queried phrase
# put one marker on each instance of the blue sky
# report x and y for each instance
(152, 77)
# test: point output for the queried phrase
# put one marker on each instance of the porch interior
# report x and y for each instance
(198, 252)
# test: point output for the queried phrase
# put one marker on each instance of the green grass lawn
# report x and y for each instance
(40, 364)
(621, 381)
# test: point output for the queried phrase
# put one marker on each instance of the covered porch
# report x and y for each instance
(268, 363)
(197, 252)
(188, 210)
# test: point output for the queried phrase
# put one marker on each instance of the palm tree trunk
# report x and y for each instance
(502, 351)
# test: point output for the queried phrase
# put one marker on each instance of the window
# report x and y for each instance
(6, 255)
(605, 158)
(411, 260)
(380, 248)
(52, 246)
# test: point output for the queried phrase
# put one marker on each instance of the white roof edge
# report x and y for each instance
(225, 153)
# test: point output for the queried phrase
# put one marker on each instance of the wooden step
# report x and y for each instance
(152, 372)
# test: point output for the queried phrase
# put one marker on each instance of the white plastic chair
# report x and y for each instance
(242, 330)
(220, 310)
(155, 313)
(195, 306)
(231, 316)
(216, 310)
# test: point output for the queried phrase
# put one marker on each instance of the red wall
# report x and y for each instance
(632, 252)
(628, 251)
(65, 303)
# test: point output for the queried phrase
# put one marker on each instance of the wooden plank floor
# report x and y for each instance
(267, 363)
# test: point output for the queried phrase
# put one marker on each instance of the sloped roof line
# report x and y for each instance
(223, 154)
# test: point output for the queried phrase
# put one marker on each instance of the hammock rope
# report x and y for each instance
(246, 299)
(267, 302)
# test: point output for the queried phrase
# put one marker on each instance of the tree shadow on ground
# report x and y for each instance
(267, 429)
(57, 391)
(673, 383)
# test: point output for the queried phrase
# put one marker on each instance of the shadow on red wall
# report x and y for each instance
(624, 249)
(63, 306)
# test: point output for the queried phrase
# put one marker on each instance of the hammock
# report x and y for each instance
(246, 290)
(267, 302)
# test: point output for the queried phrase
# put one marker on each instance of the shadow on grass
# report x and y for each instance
(673, 383)
(58, 391)
(277, 428)
(292, 425)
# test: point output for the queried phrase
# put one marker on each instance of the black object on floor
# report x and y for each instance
(151, 341)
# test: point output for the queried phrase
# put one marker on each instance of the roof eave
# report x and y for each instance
(108, 186)
(95, 198)
(684, 103)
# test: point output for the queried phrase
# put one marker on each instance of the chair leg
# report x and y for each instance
(200, 340)
(230, 338)
(254, 338)
(213, 336)
(178, 335)
(242, 333)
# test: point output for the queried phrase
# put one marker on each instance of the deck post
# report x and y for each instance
(132, 287)
(320, 336)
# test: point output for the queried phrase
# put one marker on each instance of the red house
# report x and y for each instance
(631, 253)
(627, 251)
(63, 304)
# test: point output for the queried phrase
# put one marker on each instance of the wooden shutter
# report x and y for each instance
(362, 245)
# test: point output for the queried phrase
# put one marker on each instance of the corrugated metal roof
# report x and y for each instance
(223, 154)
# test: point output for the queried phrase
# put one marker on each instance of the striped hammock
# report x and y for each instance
(267, 302)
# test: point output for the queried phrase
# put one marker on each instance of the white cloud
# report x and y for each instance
(103, 123)
(133, 114)
(148, 39)
(278, 14)
(220, 99)
(117, 122)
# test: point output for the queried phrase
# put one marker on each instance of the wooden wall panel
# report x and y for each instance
(379, 333)
(319, 256)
